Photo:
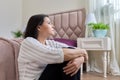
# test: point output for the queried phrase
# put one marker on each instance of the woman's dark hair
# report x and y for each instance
(34, 21)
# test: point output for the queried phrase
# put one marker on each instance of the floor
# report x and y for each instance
(97, 76)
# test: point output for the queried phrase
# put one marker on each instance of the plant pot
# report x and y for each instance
(100, 33)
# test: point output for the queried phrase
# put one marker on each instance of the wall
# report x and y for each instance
(10, 17)
(31, 7)
(14, 14)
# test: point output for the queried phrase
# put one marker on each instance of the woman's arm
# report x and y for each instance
(73, 53)
(70, 52)
(31, 49)
(73, 66)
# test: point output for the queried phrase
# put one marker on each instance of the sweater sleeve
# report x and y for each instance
(33, 50)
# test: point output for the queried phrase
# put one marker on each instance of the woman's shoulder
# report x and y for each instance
(50, 41)
(30, 40)
(56, 43)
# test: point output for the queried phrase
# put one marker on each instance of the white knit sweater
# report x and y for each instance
(34, 56)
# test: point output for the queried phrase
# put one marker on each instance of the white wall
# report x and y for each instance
(10, 17)
(14, 14)
(31, 7)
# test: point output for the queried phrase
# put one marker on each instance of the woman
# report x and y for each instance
(42, 59)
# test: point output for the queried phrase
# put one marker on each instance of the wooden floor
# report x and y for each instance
(97, 76)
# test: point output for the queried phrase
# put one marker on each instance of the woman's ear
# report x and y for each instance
(38, 28)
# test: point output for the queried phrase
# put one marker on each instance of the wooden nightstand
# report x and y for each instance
(96, 44)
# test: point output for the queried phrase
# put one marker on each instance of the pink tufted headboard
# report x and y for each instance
(69, 24)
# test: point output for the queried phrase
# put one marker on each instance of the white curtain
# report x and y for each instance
(116, 24)
(107, 11)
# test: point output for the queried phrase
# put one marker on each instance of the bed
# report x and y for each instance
(69, 25)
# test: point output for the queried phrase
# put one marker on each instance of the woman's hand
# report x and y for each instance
(84, 52)
(73, 66)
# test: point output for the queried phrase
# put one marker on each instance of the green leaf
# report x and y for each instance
(17, 34)
(100, 26)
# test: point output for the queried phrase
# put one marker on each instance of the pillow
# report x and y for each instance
(67, 41)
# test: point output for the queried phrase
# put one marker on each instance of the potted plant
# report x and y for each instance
(17, 34)
(99, 29)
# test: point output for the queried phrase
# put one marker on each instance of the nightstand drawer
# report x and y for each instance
(94, 43)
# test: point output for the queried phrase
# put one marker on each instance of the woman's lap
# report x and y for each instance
(55, 72)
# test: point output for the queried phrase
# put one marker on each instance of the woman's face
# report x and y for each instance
(46, 28)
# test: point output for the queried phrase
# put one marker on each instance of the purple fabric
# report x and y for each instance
(67, 41)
